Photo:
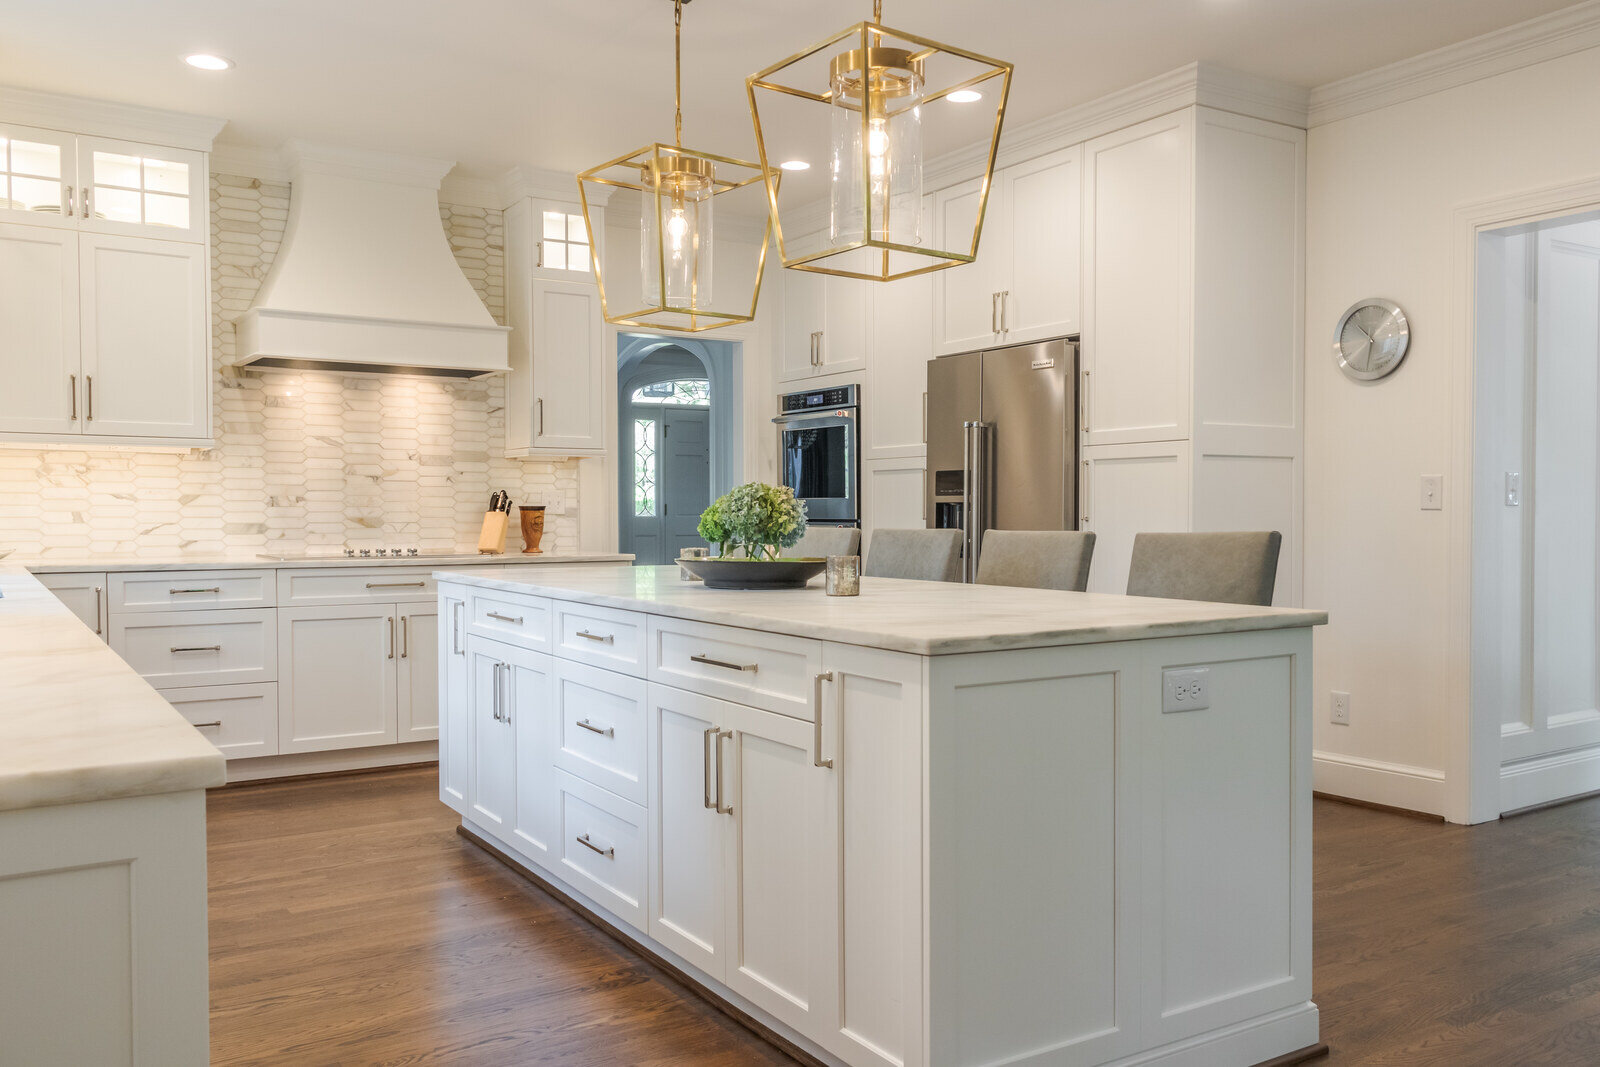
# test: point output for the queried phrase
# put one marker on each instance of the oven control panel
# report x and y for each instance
(842, 396)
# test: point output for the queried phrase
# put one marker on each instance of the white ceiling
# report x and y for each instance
(564, 84)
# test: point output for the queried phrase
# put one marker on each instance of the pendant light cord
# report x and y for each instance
(877, 11)
(677, 70)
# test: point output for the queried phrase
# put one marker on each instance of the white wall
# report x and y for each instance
(1384, 189)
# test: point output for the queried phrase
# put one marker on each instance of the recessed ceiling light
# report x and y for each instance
(794, 164)
(965, 96)
(207, 61)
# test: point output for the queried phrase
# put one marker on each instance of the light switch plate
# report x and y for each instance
(1433, 492)
(1186, 690)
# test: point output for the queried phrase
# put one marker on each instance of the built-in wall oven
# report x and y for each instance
(819, 452)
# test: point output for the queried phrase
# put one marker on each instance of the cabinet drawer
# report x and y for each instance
(241, 720)
(604, 637)
(603, 847)
(366, 585)
(764, 670)
(183, 648)
(521, 620)
(191, 590)
(600, 727)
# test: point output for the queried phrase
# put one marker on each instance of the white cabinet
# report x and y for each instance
(38, 177)
(1126, 490)
(337, 675)
(144, 338)
(83, 594)
(241, 720)
(417, 683)
(491, 741)
(526, 686)
(39, 359)
(455, 696)
(894, 422)
(556, 399)
(827, 325)
(1025, 283)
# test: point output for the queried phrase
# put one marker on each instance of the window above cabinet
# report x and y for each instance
(565, 242)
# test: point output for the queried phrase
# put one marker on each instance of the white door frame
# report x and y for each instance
(1472, 745)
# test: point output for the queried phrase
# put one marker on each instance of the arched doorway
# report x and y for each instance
(674, 401)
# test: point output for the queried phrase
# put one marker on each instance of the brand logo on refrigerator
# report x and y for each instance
(1043, 362)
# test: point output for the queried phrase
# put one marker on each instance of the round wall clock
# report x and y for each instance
(1371, 339)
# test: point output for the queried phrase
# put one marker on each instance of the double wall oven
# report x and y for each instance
(819, 452)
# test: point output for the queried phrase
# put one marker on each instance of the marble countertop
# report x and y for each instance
(243, 560)
(926, 618)
(77, 724)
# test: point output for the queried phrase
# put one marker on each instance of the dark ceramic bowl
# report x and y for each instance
(755, 573)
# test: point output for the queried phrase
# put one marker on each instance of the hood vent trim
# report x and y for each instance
(365, 281)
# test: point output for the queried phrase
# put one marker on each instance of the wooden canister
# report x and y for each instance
(532, 527)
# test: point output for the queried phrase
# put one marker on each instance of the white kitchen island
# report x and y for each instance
(930, 825)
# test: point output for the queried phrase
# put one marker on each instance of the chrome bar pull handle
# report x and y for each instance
(583, 839)
(603, 731)
(507, 694)
(722, 809)
(515, 620)
(816, 706)
(539, 404)
(83, 201)
(68, 209)
(98, 621)
(604, 639)
(701, 657)
(1005, 311)
(72, 391)
(405, 636)
(397, 585)
(198, 648)
(455, 627)
(207, 589)
(994, 312)
(88, 385)
(495, 689)
(705, 754)
(391, 636)
(203, 725)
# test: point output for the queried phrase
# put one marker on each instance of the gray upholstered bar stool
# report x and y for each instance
(827, 541)
(928, 555)
(1038, 559)
(1226, 568)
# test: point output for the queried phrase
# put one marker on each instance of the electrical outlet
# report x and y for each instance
(1339, 709)
(1433, 492)
(1186, 690)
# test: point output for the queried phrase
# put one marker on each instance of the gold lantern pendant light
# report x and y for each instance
(880, 91)
(679, 187)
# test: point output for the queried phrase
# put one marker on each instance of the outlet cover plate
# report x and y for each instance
(1339, 708)
(1186, 690)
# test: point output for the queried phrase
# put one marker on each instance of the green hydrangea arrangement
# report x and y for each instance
(757, 517)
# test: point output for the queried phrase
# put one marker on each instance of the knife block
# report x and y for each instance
(492, 538)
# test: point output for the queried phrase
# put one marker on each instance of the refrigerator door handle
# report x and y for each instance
(974, 491)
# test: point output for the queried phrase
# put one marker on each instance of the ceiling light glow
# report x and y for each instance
(965, 96)
(795, 164)
(207, 61)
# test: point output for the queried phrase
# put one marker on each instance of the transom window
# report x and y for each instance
(138, 189)
(30, 175)
(685, 392)
(566, 242)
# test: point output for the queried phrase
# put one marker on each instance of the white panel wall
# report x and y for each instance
(1383, 189)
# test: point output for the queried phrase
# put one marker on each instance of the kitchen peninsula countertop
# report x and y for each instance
(924, 618)
(77, 724)
(59, 564)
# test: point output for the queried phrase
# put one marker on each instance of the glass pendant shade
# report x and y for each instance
(852, 119)
(675, 233)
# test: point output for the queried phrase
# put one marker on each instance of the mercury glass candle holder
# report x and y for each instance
(844, 576)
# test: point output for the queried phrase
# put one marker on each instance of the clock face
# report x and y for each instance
(1372, 339)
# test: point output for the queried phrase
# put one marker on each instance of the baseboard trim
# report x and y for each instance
(338, 761)
(1370, 806)
(1541, 781)
(1304, 1055)
(672, 971)
(1392, 785)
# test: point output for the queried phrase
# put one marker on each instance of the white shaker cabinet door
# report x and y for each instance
(799, 344)
(569, 399)
(527, 696)
(847, 324)
(491, 743)
(1040, 296)
(336, 669)
(689, 833)
(146, 357)
(454, 700)
(39, 331)
(966, 309)
(896, 397)
(1129, 489)
(417, 685)
(779, 923)
(84, 594)
(141, 190)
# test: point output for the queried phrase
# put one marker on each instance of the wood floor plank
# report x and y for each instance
(351, 925)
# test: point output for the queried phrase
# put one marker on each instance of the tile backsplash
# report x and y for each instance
(303, 461)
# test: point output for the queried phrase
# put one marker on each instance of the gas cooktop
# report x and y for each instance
(357, 554)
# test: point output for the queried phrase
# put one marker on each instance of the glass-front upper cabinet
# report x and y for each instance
(141, 190)
(36, 176)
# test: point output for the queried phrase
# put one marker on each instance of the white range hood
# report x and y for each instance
(365, 281)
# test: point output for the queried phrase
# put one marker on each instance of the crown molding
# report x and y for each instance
(102, 118)
(1560, 33)
(560, 186)
(466, 191)
(307, 157)
(249, 161)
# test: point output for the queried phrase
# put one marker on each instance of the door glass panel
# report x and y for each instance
(36, 194)
(37, 160)
(555, 225)
(166, 210)
(165, 177)
(113, 169)
(555, 255)
(118, 205)
(577, 257)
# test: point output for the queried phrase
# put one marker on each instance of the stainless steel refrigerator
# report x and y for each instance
(1003, 442)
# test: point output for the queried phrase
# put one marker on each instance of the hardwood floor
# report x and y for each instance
(351, 925)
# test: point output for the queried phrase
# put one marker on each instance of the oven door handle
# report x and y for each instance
(831, 413)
